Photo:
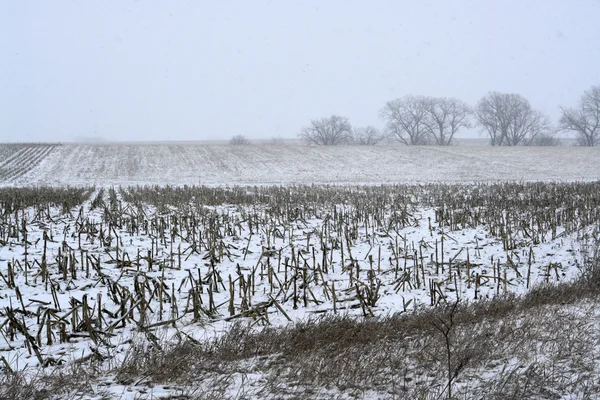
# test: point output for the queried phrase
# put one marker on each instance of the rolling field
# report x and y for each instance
(215, 165)
(17, 160)
(351, 272)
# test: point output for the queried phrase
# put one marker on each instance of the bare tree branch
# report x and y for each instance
(328, 131)
(445, 117)
(406, 120)
(509, 120)
(367, 135)
(585, 119)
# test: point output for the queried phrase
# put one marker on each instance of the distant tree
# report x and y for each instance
(367, 135)
(509, 120)
(547, 139)
(585, 119)
(445, 117)
(239, 140)
(406, 120)
(330, 131)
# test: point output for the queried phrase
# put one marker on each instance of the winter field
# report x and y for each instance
(222, 164)
(286, 271)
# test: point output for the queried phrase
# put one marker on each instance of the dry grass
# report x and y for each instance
(73, 382)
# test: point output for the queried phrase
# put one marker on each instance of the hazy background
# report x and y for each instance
(198, 70)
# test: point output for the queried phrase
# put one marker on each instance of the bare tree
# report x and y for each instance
(239, 140)
(328, 131)
(585, 119)
(367, 135)
(546, 140)
(509, 119)
(406, 120)
(445, 117)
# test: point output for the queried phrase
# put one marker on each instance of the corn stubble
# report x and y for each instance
(308, 260)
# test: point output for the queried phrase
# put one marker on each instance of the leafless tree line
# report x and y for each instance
(419, 120)
(336, 130)
(508, 119)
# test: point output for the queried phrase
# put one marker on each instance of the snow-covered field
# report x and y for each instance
(80, 280)
(215, 164)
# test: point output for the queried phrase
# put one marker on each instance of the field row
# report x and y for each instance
(215, 164)
(83, 269)
(18, 159)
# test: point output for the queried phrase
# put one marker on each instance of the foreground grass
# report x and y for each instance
(545, 344)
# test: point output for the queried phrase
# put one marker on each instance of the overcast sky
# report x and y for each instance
(196, 70)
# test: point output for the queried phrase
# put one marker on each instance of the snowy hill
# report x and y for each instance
(223, 164)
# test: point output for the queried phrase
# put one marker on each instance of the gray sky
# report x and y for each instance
(196, 70)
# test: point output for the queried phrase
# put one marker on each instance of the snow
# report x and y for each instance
(219, 165)
(216, 164)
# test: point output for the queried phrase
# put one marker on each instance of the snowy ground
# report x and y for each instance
(214, 164)
(211, 265)
(125, 263)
